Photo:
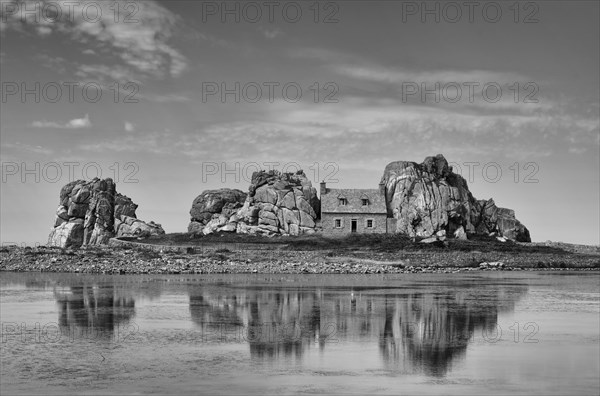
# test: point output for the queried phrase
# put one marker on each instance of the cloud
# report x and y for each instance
(77, 123)
(160, 143)
(399, 75)
(368, 129)
(490, 90)
(129, 127)
(43, 30)
(55, 63)
(21, 147)
(107, 75)
(141, 41)
(89, 52)
(270, 33)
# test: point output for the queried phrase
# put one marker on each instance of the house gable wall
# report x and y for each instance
(330, 201)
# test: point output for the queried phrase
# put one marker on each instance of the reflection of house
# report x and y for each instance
(345, 211)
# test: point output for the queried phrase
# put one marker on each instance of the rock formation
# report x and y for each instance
(92, 212)
(212, 204)
(429, 199)
(276, 203)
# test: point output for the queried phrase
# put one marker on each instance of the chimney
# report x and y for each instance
(323, 189)
(382, 188)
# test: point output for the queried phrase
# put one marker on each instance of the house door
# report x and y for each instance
(353, 224)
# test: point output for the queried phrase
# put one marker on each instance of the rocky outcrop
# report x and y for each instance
(500, 221)
(287, 203)
(67, 235)
(428, 198)
(276, 203)
(92, 212)
(212, 204)
(127, 226)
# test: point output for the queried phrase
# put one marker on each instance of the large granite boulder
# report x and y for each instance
(87, 213)
(276, 203)
(287, 202)
(67, 235)
(127, 226)
(212, 203)
(428, 198)
(500, 221)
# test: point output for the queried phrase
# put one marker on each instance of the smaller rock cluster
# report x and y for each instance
(92, 212)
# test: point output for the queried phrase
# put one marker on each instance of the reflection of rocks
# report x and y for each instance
(433, 330)
(92, 309)
(417, 332)
(214, 309)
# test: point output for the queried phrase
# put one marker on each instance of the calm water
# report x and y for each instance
(484, 333)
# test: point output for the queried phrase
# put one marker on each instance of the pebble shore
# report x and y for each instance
(120, 260)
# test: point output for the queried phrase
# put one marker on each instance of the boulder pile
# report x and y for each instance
(213, 208)
(428, 199)
(276, 203)
(92, 212)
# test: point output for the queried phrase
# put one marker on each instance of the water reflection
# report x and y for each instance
(95, 310)
(277, 334)
(416, 331)
(419, 326)
(272, 323)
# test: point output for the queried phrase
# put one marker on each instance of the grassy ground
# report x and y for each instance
(355, 254)
(392, 249)
(375, 242)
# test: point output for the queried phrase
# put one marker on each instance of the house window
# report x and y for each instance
(343, 201)
(369, 223)
(338, 223)
(365, 201)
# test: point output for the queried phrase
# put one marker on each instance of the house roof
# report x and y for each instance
(330, 201)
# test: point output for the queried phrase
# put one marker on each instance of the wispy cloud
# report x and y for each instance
(141, 42)
(55, 63)
(106, 74)
(363, 128)
(129, 127)
(399, 75)
(21, 147)
(137, 142)
(76, 123)
(270, 33)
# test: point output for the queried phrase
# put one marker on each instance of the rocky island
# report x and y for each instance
(422, 217)
(426, 200)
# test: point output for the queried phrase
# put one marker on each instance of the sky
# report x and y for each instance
(171, 98)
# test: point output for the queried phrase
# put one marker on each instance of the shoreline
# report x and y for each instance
(240, 258)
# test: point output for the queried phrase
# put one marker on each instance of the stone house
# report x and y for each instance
(345, 211)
